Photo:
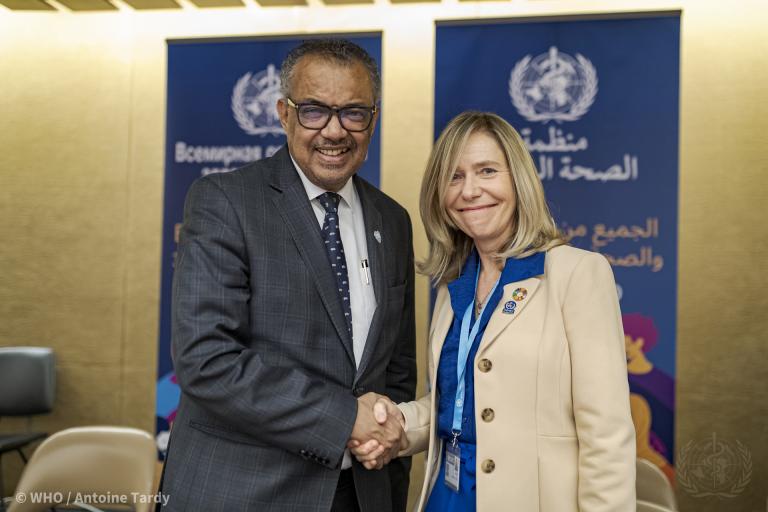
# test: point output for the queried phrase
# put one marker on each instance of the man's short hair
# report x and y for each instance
(338, 50)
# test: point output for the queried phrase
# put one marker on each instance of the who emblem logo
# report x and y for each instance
(254, 102)
(714, 467)
(553, 86)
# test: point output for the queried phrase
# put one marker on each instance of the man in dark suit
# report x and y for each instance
(293, 311)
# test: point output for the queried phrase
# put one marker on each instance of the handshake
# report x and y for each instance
(379, 431)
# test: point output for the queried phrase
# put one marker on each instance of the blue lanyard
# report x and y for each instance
(466, 340)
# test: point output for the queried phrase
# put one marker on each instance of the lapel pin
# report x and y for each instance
(509, 307)
(520, 294)
(377, 236)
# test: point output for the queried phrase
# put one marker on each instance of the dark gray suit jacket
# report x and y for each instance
(262, 353)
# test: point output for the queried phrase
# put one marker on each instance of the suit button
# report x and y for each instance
(487, 414)
(488, 466)
(359, 391)
(485, 365)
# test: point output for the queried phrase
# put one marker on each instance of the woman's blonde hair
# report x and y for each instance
(534, 229)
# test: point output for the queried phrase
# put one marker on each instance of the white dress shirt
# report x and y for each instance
(361, 295)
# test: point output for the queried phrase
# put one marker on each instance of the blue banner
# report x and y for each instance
(597, 104)
(221, 116)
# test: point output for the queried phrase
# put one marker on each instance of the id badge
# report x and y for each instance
(452, 466)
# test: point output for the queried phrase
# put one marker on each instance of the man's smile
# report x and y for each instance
(332, 151)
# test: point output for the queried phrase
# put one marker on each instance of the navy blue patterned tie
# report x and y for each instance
(335, 249)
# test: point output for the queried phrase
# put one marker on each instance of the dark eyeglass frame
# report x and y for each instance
(338, 112)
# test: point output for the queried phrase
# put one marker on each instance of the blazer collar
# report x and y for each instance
(518, 283)
(518, 291)
(504, 315)
(462, 289)
(442, 317)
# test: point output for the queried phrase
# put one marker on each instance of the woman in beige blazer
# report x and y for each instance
(543, 421)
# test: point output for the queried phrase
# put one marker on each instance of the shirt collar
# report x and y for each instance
(462, 289)
(347, 192)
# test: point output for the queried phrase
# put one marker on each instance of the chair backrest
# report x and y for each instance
(27, 380)
(653, 485)
(107, 461)
(644, 506)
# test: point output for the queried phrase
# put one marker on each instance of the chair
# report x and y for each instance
(645, 506)
(27, 386)
(653, 486)
(105, 461)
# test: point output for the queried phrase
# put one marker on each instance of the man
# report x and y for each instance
(292, 310)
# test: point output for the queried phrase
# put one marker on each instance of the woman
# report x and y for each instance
(531, 409)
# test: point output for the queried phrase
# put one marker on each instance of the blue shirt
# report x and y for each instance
(462, 292)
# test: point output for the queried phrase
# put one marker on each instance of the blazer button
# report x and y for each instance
(485, 365)
(488, 466)
(359, 391)
(487, 414)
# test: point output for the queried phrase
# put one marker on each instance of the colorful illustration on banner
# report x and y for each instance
(167, 398)
(652, 394)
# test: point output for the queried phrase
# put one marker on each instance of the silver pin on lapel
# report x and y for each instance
(377, 236)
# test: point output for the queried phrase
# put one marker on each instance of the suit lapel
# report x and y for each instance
(441, 323)
(294, 207)
(501, 317)
(377, 261)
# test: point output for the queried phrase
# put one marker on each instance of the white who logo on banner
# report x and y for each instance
(553, 86)
(254, 102)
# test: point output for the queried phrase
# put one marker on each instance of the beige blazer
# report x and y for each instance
(554, 432)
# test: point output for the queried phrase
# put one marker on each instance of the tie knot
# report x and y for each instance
(330, 201)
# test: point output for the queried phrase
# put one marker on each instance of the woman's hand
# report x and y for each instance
(372, 454)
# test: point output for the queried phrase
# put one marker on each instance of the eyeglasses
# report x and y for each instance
(485, 174)
(315, 116)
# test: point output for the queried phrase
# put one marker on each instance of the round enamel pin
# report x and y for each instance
(520, 294)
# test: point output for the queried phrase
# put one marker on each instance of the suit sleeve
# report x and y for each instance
(600, 389)
(275, 406)
(401, 370)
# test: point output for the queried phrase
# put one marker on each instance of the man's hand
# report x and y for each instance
(384, 441)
